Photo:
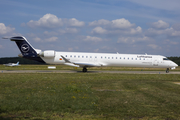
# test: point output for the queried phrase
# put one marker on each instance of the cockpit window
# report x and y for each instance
(165, 59)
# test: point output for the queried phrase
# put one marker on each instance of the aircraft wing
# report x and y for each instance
(80, 64)
(85, 64)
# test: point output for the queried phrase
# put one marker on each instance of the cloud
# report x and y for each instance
(68, 30)
(37, 39)
(153, 46)
(52, 21)
(115, 27)
(99, 30)
(121, 24)
(159, 25)
(176, 26)
(131, 40)
(94, 39)
(99, 22)
(5, 30)
(51, 39)
(170, 32)
(47, 21)
(75, 23)
(118, 23)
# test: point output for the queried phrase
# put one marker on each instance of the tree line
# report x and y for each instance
(16, 59)
(26, 61)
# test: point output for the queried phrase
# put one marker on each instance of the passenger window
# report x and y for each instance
(86, 56)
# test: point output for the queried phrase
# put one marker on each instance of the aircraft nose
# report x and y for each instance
(176, 65)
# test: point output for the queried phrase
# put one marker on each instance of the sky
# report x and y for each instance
(105, 26)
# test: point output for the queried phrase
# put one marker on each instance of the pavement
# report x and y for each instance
(90, 71)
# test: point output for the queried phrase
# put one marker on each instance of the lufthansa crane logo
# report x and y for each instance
(25, 48)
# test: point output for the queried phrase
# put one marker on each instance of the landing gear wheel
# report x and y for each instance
(167, 70)
(84, 70)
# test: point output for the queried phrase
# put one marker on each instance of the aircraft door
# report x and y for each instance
(155, 61)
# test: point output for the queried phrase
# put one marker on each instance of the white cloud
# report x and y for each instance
(168, 32)
(52, 39)
(115, 27)
(99, 30)
(94, 39)
(153, 46)
(99, 22)
(136, 31)
(160, 25)
(52, 21)
(121, 23)
(75, 23)
(131, 40)
(68, 30)
(47, 21)
(4, 30)
(37, 39)
(115, 24)
(176, 26)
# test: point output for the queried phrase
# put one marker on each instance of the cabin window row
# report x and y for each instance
(125, 58)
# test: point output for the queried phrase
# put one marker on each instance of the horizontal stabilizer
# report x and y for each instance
(17, 39)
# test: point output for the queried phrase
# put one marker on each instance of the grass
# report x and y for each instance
(89, 96)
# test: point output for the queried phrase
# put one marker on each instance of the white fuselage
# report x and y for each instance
(105, 59)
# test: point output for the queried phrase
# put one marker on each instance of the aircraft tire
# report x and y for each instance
(84, 70)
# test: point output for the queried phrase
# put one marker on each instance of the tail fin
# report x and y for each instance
(17, 63)
(26, 48)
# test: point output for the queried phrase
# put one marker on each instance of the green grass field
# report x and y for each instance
(41, 96)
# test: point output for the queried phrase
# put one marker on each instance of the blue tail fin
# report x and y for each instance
(26, 48)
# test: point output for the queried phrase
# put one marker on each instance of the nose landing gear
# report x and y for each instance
(167, 70)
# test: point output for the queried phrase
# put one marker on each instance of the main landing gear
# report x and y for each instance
(84, 69)
(167, 70)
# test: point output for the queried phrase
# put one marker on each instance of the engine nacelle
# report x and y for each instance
(48, 53)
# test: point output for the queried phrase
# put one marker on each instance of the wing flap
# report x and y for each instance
(80, 64)
(85, 64)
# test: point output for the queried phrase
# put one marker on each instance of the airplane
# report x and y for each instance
(86, 60)
(12, 64)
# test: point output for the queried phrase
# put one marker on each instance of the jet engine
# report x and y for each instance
(48, 53)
